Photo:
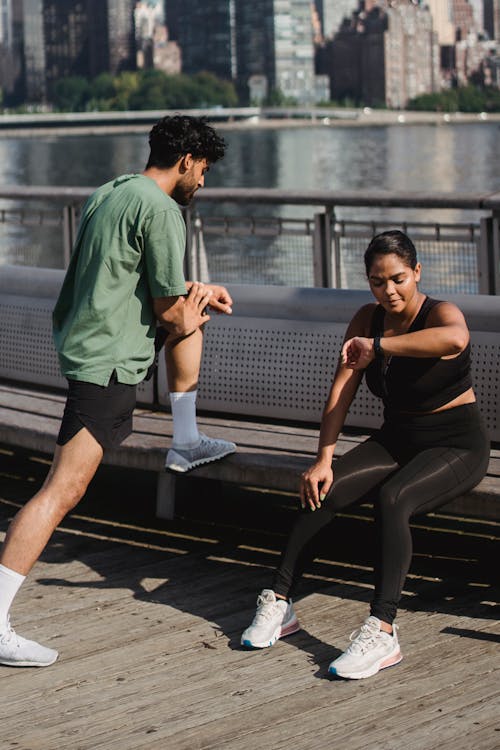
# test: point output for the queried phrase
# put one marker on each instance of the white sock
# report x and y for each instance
(10, 583)
(184, 419)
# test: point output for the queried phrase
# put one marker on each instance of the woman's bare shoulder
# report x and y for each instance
(360, 324)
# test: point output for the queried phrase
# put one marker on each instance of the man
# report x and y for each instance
(125, 276)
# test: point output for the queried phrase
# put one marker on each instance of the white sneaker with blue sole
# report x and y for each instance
(274, 619)
(371, 650)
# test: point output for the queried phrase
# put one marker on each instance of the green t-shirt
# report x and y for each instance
(129, 250)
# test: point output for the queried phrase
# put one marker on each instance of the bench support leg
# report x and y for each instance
(165, 495)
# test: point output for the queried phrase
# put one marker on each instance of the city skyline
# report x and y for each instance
(378, 52)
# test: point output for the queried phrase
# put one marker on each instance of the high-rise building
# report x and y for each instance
(496, 20)
(488, 24)
(153, 47)
(463, 19)
(206, 35)
(74, 38)
(387, 55)
(11, 65)
(120, 30)
(411, 54)
(263, 46)
(275, 49)
(442, 21)
(333, 12)
(65, 33)
(478, 10)
(5, 23)
(34, 50)
(172, 10)
(292, 70)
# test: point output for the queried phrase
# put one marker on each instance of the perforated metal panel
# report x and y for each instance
(276, 369)
(274, 366)
(27, 349)
(283, 369)
(485, 369)
(26, 344)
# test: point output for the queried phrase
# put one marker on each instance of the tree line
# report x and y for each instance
(469, 98)
(142, 90)
(153, 89)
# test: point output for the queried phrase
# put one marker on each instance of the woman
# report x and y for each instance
(432, 447)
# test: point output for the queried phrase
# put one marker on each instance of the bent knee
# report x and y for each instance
(64, 496)
(391, 499)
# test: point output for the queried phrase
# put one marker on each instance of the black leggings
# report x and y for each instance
(413, 466)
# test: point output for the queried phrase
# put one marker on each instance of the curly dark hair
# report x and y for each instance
(173, 137)
(392, 242)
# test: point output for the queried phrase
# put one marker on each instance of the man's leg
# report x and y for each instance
(189, 447)
(72, 469)
(183, 361)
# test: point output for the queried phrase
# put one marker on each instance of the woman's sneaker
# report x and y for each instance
(274, 619)
(16, 651)
(370, 651)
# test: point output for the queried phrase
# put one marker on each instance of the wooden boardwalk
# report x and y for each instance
(147, 616)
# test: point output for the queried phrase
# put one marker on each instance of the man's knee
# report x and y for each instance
(186, 341)
(63, 496)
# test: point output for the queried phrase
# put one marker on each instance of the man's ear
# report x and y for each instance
(186, 163)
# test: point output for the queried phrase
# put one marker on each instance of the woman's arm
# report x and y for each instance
(317, 480)
(446, 335)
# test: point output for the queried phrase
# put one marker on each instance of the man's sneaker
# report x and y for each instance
(371, 649)
(16, 651)
(274, 619)
(208, 449)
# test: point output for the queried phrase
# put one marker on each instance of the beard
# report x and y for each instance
(183, 193)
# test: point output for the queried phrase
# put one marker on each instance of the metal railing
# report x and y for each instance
(268, 236)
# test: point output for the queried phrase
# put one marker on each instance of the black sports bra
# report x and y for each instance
(416, 384)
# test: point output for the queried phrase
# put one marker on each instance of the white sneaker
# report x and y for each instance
(371, 650)
(16, 651)
(274, 619)
(208, 449)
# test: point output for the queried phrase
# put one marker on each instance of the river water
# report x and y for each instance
(449, 157)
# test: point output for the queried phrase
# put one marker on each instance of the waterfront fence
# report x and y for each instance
(268, 236)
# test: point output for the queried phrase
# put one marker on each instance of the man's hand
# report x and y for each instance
(220, 300)
(181, 316)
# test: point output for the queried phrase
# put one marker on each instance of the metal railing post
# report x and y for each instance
(190, 255)
(322, 251)
(337, 279)
(495, 253)
(69, 232)
(488, 260)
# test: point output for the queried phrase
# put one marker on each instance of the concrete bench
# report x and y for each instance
(265, 376)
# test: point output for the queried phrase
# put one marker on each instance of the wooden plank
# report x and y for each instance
(142, 668)
(215, 700)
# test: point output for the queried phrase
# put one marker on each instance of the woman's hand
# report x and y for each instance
(315, 484)
(357, 353)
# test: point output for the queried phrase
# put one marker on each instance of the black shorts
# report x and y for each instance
(106, 412)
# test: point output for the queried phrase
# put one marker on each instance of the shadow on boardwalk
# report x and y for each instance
(158, 604)
(219, 527)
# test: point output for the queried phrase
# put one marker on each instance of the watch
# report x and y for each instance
(377, 348)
